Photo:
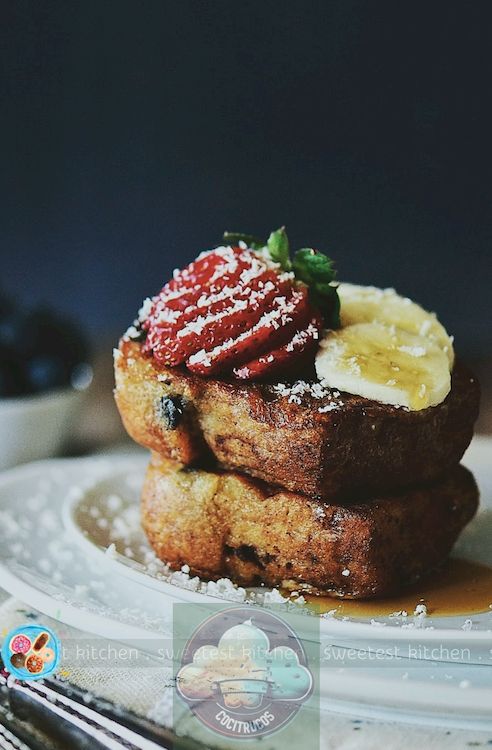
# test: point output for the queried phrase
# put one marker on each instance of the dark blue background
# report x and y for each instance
(133, 133)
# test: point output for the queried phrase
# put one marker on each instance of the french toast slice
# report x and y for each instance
(301, 437)
(225, 524)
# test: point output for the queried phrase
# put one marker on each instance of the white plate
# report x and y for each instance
(40, 565)
(108, 514)
(62, 573)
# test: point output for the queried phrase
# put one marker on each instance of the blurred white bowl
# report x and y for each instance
(38, 426)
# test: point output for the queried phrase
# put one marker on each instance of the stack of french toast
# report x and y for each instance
(282, 453)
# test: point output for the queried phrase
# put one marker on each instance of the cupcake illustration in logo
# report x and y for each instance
(244, 686)
(31, 652)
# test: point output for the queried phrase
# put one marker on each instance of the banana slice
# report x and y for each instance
(368, 304)
(384, 363)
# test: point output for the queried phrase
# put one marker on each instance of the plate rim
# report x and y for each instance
(328, 627)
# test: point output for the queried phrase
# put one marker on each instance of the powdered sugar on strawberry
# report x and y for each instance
(232, 312)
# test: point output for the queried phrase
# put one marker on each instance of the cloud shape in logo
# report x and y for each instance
(242, 670)
(236, 668)
(290, 680)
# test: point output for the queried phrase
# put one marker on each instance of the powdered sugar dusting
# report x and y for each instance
(280, 315)
(296, 392)
(311, 332)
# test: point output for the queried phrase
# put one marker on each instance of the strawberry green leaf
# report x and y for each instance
(278, 248)
(315, 269)
(318, 272)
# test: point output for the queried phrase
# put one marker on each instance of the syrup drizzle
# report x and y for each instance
(461, 587)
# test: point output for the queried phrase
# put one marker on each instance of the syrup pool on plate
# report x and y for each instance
(461, 587)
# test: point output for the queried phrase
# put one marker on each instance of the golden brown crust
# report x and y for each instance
(222, 523)
(357, 449)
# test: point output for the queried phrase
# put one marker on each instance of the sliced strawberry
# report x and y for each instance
(223, 276)
(175, 304)
(188, 285)
(227, 308)
(220, 262)
(210, 272)
(228, 317)
(273, 329)
(219, 297)
(289, 358)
